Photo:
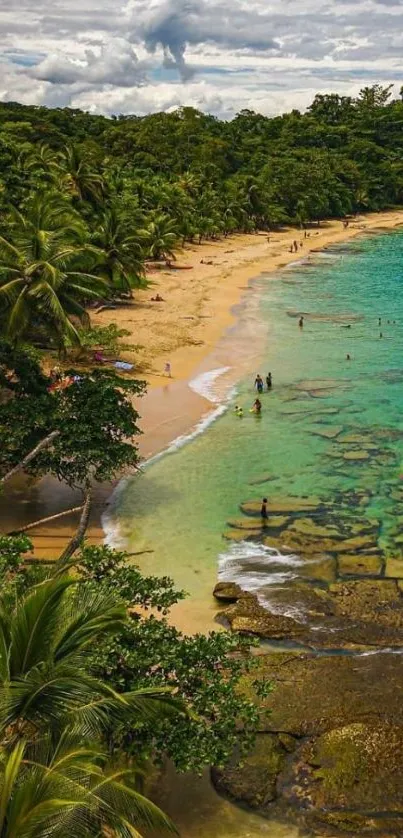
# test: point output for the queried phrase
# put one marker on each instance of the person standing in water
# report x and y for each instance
(269, 381)
(168, 370)
(257, 406)
(301, 322)
(259, 383)
(263, 511)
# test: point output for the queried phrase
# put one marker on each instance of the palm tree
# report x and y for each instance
(44, 272)
(161, 236)
(63, 787)
(79, 178)
(45, 681)
(123, 263)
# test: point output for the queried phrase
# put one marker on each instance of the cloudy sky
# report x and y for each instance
(111, 56)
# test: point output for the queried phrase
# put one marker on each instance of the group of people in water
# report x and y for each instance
(259, 387)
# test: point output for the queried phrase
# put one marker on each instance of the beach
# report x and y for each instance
(199, 305)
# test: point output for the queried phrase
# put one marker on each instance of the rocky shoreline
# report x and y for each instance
(329, 752)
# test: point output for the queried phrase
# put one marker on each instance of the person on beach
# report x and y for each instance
(263, 511)
(269, 381)
(257, 406)
(259, 383)
(167, 369)
(301, 322)
(295, 246)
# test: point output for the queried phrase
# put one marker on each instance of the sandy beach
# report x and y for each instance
(199, 304)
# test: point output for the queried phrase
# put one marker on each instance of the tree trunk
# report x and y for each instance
(81, 529)
(46, 520)
(45, 443)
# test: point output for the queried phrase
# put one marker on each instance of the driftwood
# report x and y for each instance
(81, 529)
(45, 443)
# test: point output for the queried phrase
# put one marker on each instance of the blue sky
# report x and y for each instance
(220, 56)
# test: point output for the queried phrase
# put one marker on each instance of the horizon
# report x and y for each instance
(218, 57)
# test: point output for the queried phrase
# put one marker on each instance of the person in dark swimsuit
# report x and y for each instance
(263, 511)
(269, 381)
(257, 407)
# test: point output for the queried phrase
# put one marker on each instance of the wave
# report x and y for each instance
(257, 568)
(204, 384)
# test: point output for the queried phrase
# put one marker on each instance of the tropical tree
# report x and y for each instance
(45, 272)
(64, 786)
(122, 262)
(160, 237)
(45, 639)
(79, 178)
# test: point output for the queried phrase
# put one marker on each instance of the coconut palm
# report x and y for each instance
(122, 263)
(63, 786)
(45, 683)
(79, 178)
(160, 237)
(45, 278)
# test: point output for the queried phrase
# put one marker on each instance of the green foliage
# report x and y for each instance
(94, 418)
(108, 338)
(205, 671)
(56, 769)
(134, 189)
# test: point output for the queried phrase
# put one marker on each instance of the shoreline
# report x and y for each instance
(171, 409)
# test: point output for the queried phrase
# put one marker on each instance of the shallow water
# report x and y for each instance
(180, 507)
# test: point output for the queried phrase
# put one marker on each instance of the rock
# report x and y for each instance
(394, 568)
(354, 439)
(355, 769)
(275, 522)
(308, 527)
(328, 433)
(337, 763)
(247, 616)
(227, 591)
(359, 565)
(322, 569)
(262, 478)
(233, 534)
(321, 384)
(247, 524)
(254, 782)
(376, 601)
(356, 456)
(304, 545)
(283, 505)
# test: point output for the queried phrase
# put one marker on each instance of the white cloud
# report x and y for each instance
(218, 55)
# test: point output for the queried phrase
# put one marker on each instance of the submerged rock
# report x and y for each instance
(356, 456)
(283, 505)
(254, 782)
(334, 763)
(359, 565)
(355, 770)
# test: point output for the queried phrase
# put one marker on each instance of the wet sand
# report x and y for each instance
(199, 306)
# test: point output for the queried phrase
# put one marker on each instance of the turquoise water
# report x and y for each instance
(179, 508)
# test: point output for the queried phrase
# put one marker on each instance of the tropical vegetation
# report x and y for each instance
(86, 201)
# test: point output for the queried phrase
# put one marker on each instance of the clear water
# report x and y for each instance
(179, 508)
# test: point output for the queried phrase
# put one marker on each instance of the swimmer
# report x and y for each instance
(380, 335)
(380, 321)
(257, 406)
(348, 357)
(301, 322)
